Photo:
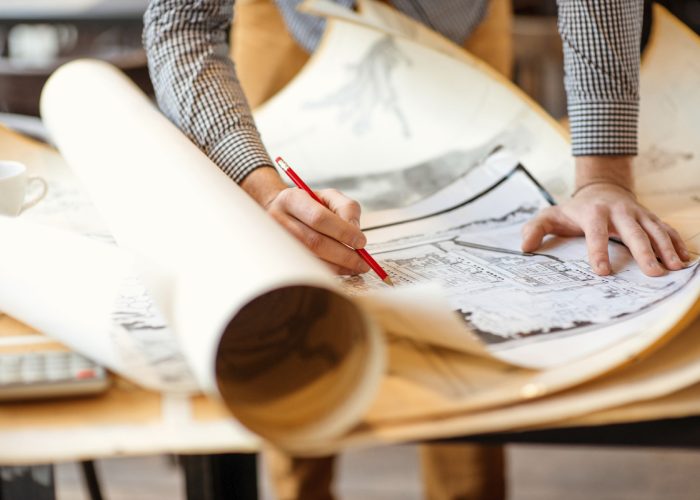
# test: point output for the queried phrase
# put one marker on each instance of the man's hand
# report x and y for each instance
(603, 206)
(327, 232)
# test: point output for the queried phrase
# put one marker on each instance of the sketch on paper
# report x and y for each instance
(656, 159)
(143, 337)
(508, 296)
(403, 187)
(370, 89)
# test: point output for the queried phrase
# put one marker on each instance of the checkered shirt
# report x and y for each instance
(196, 85)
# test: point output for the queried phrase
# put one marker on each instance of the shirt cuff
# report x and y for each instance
(239, 153)
(604, 128)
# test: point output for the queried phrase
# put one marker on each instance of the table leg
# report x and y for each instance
(220, 477)
(92, 483)
(24, 483)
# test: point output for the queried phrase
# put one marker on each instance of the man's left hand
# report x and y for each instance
(603, 206)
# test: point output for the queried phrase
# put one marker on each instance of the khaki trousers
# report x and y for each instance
(267, 58)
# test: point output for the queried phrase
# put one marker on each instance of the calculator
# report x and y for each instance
(49, 374)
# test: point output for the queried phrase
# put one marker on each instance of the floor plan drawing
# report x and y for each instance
(510, 298)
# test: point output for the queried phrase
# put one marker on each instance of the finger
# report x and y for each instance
(301, 206)
(346, 208)
(662, 243)
(326, 248)
(340, 271)
(678, 242)
(549, 221)
(638, 243)
(597, 234)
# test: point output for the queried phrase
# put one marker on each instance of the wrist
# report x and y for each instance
(603, 184)
(263, 185)
(614, 170)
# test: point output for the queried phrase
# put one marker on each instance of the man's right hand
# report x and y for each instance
(330, 232)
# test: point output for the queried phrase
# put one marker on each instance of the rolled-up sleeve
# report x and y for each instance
(195, 81)
(601, 40)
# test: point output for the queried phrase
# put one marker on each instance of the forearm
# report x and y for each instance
(196, 84)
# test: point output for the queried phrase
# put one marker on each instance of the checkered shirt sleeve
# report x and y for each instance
(197, 88)
(601, 62)
(195, 81)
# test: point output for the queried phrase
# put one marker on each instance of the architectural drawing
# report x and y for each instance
(394, 115)
(142, 335)
(507, 296)
(407, 186)
(370, 89)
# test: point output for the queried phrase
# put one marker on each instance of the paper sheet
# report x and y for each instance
(132, 338)
(540, 309)
(380, 104)
(233, 285)
(668, 168)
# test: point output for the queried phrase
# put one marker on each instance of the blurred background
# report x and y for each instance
(37, 36)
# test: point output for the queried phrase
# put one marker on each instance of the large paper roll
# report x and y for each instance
(258, 316)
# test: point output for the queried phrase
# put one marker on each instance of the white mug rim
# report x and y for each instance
(19, 169)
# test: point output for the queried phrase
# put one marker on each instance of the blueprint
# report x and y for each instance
(518, 302)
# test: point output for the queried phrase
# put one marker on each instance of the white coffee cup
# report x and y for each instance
(14, 185)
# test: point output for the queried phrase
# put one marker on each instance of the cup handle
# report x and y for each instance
(44, 189)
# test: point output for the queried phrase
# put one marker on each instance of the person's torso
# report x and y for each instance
(455, 19)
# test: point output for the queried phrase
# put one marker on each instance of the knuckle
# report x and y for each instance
(546, 213)
(283, 197)
(598, 207)
(313, 241)
(350, 260)
(332, 193)
(637, 233)
(665, 245)
(351, 238)
(595, 227)
(315, 215)
(354, 205)
(623, 208)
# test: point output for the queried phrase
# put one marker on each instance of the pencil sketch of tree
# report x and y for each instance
(656, 159)
(370, 89)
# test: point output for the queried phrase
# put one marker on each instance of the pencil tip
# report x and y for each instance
(388, 281)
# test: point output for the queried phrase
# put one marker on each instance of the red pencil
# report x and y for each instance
(361, 251)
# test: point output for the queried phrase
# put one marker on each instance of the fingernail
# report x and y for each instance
(654, 264)
(364, 267)
(602, 267)
(355, 222)
(676, 261)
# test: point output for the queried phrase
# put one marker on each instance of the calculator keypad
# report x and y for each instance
(48, 374)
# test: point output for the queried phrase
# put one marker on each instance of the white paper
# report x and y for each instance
(378, 104)
(540, 309)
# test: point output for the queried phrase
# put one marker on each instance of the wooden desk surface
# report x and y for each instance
(126, 420)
